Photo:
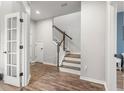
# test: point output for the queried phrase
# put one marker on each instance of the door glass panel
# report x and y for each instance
(9, 70)
(9, 47)
(13, 46)
(9, 23)
(14, 34)
(14, 22)
(13, 59)
(9, 59)
(14, 71)
(9, 35)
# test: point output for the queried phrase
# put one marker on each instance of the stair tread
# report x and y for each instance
(73, 55)
(71, 61)
(71, 67)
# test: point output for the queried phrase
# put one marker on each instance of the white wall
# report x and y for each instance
(44, 34)
(93, 23)
(111, 47)
(6, 8)
(71, 24)
(32, 39)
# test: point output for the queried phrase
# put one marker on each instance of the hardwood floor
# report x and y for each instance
(46, 77)
(120, 79)
(6, 87)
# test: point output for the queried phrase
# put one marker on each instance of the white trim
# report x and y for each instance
(106, 87)
(75, 53)
(72, 71)
(92, 80)
(49, 63)
(54, 43)
(33, 61)
(28, 80)
(72, 59)
(71, 64)
(43, 62)
(110, 47)
(95, 81)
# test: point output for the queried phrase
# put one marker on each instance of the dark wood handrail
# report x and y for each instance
(61, 42)
(62, 32)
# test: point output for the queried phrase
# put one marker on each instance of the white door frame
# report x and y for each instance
(25, 30)
(25, 43)
(110, 47)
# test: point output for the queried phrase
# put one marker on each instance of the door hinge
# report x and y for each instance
(21, 20)
(21, 46)
(21, 74)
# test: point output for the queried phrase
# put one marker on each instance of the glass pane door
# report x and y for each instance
(12, 46)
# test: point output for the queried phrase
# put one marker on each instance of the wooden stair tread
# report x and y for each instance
(71, 61)
(70, 67)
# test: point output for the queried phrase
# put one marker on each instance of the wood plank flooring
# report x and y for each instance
(47, 78)
(120, 79)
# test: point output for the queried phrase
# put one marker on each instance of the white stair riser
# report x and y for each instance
(75, 53)
(71, 64)
(72, 59)
(70, 71)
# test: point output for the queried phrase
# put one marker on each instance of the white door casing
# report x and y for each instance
(111, 37)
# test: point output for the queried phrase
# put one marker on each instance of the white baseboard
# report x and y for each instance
(36, 61)
(45, 63)
(94, 80)
(70, 71)
(33, 61)
(27, 81)
(49, 64)
(29, 78)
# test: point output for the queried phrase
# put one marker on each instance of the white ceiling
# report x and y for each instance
(50, 9)
(119, 5)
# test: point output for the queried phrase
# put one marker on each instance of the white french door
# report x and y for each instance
(12, 49)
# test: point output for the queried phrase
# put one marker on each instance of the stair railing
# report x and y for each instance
(60, 43)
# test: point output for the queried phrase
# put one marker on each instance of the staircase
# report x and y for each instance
(71, 63)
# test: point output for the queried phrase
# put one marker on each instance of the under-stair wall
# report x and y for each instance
(71, 25)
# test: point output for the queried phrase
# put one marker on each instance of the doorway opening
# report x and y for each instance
(120, 46)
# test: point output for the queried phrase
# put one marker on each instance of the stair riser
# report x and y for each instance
(71, 64)
(70, 71)
(72, 59)
(73, 55)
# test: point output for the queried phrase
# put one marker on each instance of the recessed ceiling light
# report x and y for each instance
(37, 12)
